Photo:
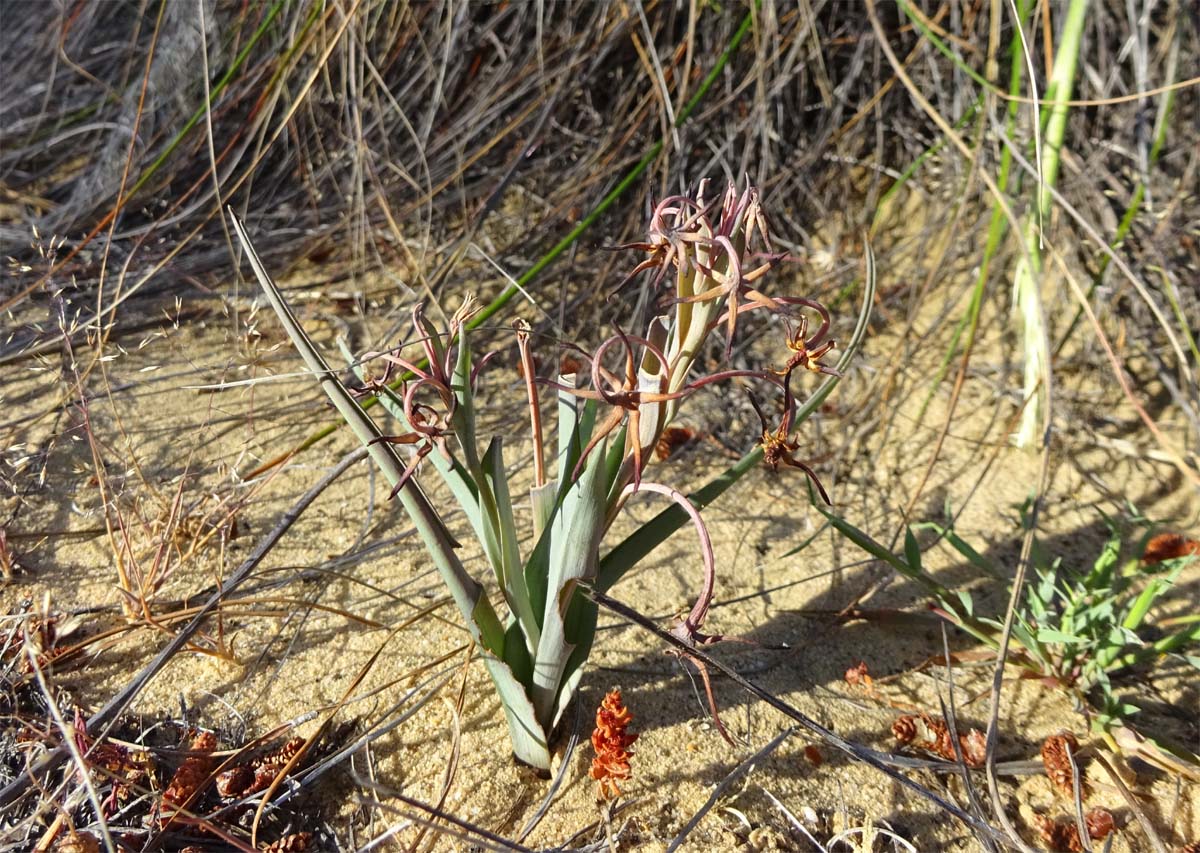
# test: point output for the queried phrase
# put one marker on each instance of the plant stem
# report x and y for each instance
(1027, 277)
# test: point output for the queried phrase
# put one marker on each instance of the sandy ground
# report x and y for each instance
(346, 583)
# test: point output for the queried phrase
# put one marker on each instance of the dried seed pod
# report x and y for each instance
(1063, 835)
(974, 748)
(235, 781)
(611, 743)
(264, 775)
(1099, 823)
(193, 773)
(282, 755)
(297, 842)
(932, 735)
(1056, 757)
(1058, 835)
(905, 729)
(1169, 546)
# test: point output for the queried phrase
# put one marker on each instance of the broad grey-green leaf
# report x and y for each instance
(529, 739)
(575, 540)
(467, 593)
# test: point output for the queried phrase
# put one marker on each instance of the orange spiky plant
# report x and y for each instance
(611, 742)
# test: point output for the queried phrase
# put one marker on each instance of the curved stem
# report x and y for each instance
(696, 618)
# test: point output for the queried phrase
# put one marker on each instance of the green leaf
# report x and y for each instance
(962, 547)
(543, 499)
(912, 551)
(1101, 575)
(968, 603)
(1051, 635)
(880, 552)
(529, 739)
(516, 652)
(467, 593)
(575, 537)
(515, 591)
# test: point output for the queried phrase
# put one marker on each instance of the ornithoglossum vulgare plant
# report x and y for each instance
(612, 406)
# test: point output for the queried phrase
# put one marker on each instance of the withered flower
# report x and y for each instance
(1056, 756)
(779, 449)
(673, 438)
(859, 676)
(1063, 835)
(1169, 546)
(924, 732)
(611, 742)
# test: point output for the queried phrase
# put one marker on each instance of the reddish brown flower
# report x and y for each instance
(1063, 835)
(1169, 546)
(611, 742)
(924, 732)
(673, 438)
(1056, 756)
(191, 775)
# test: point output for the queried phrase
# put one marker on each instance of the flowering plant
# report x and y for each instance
(609, 414)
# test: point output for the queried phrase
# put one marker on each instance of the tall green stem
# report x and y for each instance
(1028, 274)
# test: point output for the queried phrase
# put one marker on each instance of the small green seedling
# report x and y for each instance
(1077, 628)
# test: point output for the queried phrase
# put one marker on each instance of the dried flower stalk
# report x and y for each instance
(611, 742)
